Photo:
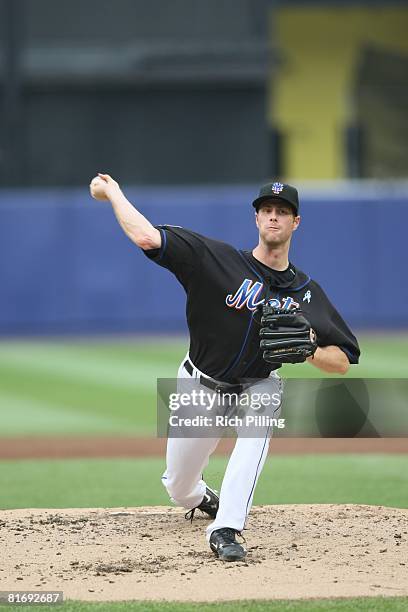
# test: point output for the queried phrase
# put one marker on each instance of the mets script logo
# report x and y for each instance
(248, 295)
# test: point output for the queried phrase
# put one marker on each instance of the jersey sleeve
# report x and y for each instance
(342, 337)
(337, 332)
(181, 252)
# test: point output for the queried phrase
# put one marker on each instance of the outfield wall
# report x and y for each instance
(66, 267)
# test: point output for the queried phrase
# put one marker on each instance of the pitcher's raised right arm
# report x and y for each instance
(134, 224)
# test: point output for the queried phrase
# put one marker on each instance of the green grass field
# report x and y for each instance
(361, 604)
(361, 479)
(109, 388)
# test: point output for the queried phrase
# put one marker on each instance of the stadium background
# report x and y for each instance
(190, 106)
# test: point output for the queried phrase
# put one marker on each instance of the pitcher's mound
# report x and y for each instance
(295, 551)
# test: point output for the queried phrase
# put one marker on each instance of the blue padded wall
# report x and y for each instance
(66, 266)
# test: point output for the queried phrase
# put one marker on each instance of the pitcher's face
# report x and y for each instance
(276, 223)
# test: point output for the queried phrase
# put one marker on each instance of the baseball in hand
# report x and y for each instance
(98, 188)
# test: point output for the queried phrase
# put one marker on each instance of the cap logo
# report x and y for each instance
(277, 188)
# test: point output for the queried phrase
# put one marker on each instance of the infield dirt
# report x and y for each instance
(294, 551)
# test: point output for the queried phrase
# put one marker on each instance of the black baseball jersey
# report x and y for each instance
(224, 288)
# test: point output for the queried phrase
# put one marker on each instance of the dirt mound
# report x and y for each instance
(294, 552)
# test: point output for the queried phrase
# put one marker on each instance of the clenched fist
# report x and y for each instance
(102, 186)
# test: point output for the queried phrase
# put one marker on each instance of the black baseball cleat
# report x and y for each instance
(209, 505)
(225, 546)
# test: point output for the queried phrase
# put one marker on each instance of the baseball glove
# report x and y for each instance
(286, 336)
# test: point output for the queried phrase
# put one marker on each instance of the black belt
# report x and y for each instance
(213, 384)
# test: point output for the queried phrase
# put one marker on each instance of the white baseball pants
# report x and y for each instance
(188, 457)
